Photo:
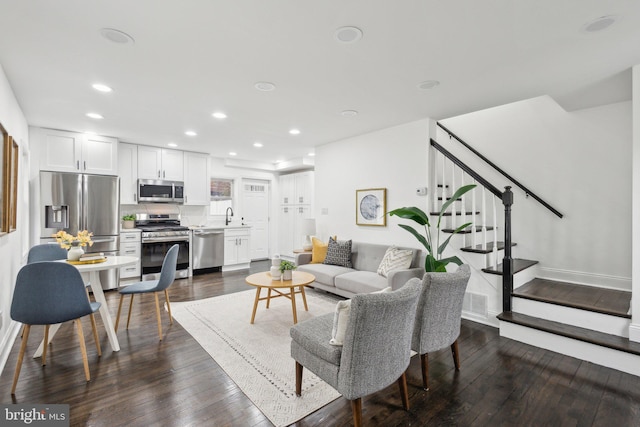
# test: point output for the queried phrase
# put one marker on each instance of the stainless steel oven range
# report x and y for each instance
(159, 233)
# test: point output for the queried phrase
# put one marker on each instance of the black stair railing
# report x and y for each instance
(507, 200)
(497, 168)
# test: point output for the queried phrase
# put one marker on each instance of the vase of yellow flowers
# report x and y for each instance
(74, 244)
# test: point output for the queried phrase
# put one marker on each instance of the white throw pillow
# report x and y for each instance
(341, 318)
(395, 259)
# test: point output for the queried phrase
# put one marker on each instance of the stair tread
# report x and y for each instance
(467, 230)
(519, 264)
(587, 335)
(600, 300)
(479, 250)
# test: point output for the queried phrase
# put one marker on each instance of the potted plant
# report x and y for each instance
(434, 260)
(286, 268)
(128, 221)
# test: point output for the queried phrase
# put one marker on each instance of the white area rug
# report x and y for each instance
(258, 357)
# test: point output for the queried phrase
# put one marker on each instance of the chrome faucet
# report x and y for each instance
(227, 220)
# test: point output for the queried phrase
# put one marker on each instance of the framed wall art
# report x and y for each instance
(3, 190)
(371, 207)
(14, 160)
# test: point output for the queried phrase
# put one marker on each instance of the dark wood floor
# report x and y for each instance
(176, 383)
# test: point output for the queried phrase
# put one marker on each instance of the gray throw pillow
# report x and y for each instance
(338, 253)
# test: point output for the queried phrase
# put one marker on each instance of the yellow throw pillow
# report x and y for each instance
(318, 251)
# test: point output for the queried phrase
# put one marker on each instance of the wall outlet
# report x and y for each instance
(421, 191)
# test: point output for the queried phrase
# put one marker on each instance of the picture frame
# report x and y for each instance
(14, 161)
(371, 207)
(4, 224)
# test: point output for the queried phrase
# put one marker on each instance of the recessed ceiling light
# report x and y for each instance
(311, 154)
(294, 132)
(95, 116)
(219, 115)
(428, 84)
(265, 86)
(348, 34)
(102, 88)
(349, 113)
(116, 36)
(233, 153)
(599, 24)
(257, 144)
(190, 133)
(172, 144)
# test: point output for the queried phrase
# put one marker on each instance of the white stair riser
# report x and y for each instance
(615, 359)
(607, 324)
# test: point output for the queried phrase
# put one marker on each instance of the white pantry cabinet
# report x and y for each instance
(296, 204)
(160, 163)
(64, 151)
(196, 179)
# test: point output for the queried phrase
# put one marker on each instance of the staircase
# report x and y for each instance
(585, 322)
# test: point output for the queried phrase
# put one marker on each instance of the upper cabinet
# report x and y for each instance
(296, 189)
(128, 172)
(64, 151)
(160, 163)
(196, 179)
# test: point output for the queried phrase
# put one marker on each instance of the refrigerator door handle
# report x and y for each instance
(83, 223)
(104, 240)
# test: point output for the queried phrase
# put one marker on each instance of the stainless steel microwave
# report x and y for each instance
(160, 191)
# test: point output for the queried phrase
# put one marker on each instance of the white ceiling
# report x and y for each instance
(193, 57)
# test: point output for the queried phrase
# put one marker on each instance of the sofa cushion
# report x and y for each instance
(339, 253)
(361, 282)
(318, 250)
(395, 259)
(324, 273)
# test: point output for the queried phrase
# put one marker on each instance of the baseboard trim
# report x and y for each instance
(7, 343)
(490, 320)
(590, 279)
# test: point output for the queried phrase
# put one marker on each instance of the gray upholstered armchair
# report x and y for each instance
(376, 350)
(438, 315)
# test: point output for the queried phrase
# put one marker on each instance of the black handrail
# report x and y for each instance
(468, 170)
(509, 177)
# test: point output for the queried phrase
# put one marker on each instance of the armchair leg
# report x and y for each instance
(23, 347)
(404, 392)
(119, 311)
(166, 297)
(299, 368)
(424, 359)
(356, 407)
(83, 349)
(155, 294)
(456, 355)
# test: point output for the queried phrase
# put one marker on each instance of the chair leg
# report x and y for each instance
(456, 355)
(130, 307)
(95, 333)
(404, 392)
(356, 407)
(299, 368)
(23, 347)
(45, 345)
(119, 310)
(83, 349)
(166, 297)
(424, 359)
(155, 294)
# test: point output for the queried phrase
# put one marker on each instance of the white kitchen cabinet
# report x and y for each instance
(296, 197)
(237, 249)
(130, 245)
(196, 179)
(64, 151)
(128, 173)
(160, 163)
(296, 188)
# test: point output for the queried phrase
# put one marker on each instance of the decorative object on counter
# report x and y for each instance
(308, 229)
(275, 267)
(371, 207)
(286, 268)
(128, 221)
(74, 244)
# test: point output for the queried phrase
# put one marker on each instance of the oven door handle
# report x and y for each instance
(165, 239)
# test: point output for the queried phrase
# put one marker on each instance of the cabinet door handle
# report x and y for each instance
(85, 165)
(286, 200)
(164, 174)
(301, 199)
(158, 173)
(78, 164)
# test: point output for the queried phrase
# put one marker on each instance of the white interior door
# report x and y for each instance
(255, 211)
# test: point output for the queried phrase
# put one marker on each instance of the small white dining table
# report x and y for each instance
(91, 275)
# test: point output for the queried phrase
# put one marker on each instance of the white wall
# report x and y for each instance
(580, 163)
(393, 158)
(13, 246)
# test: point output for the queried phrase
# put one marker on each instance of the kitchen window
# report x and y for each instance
(221, 196)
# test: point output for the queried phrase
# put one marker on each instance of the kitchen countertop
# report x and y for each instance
(217, 227)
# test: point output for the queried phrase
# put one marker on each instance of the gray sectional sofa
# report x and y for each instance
(363, 277)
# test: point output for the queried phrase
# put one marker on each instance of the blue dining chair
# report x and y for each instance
(48, 293)
(53, 252)
(167, 276)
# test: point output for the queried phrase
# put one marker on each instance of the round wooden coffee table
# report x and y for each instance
(264, 280)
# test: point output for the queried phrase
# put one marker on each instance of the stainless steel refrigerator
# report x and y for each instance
(73, 202)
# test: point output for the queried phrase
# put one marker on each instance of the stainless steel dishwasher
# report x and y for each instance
(207, 249)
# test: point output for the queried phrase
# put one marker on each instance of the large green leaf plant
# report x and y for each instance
(434, 260)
